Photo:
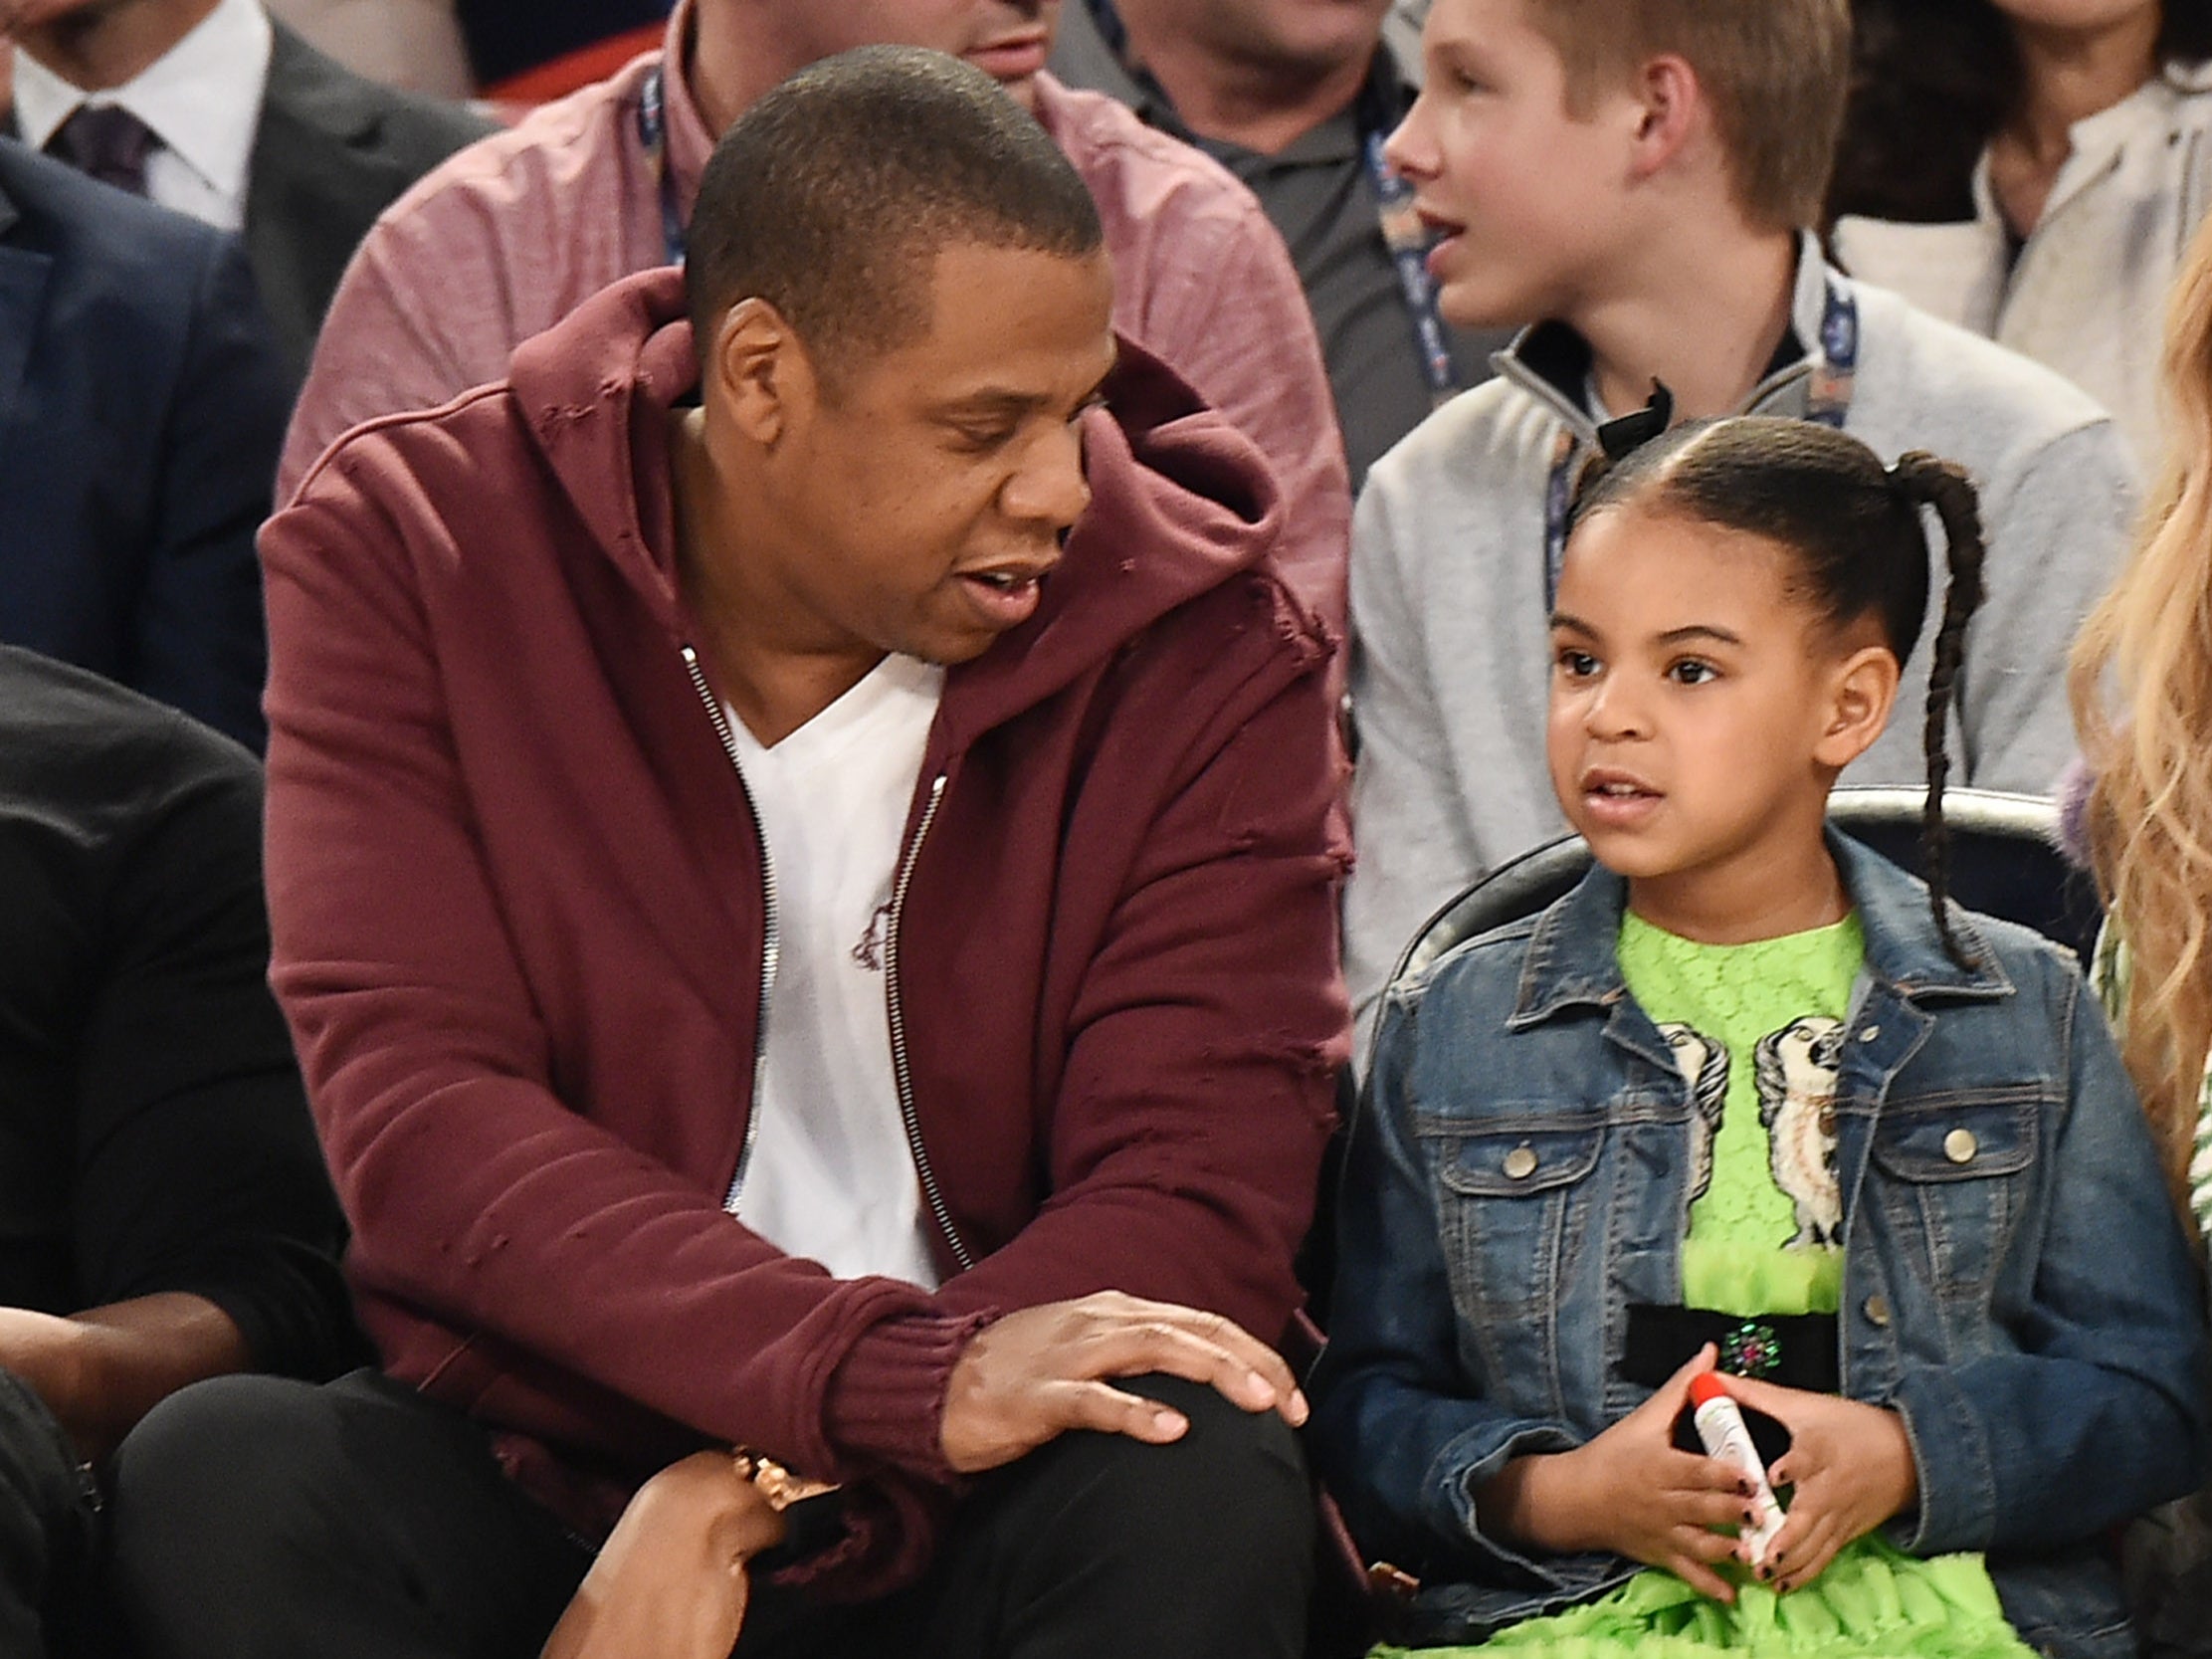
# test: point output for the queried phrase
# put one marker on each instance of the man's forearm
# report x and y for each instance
(100, 1370)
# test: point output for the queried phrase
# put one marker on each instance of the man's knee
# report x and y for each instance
(1203, 1545)
(232, 1502)
(258, 1516)
(218, 1476)
(1233, 1489)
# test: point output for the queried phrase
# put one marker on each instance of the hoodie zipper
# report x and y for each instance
(900, 1069)
(771, 937)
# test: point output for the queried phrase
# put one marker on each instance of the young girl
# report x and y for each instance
(1751, 1095)
(2032, 169)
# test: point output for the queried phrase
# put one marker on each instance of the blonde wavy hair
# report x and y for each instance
(2149, 812)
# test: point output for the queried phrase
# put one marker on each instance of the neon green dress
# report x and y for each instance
(1755, 1028)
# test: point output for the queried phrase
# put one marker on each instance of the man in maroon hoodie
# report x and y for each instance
(798, 942)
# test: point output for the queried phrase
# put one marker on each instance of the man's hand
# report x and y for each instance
(1039, 1372)
(1632, 1492)
(1851, 1465)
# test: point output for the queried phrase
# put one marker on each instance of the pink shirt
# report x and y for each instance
(511, 234)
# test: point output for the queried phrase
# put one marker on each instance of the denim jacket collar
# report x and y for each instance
(1573, 959)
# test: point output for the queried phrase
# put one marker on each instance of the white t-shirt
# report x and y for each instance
(830, 1174)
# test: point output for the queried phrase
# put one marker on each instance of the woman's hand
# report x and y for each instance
(671, 1581)
(1851, 1469)
(1632, 1492)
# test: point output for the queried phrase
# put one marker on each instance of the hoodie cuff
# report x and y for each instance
(891, 1526)
(886, 1400)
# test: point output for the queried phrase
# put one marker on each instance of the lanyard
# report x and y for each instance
(1409, 241)
(1403, 234)
(653, 133)
(1828, 402)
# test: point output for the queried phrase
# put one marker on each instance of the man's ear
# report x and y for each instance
(1862, 692)
(759, 371)
(1672, 101)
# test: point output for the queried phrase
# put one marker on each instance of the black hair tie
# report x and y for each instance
(1631, 432)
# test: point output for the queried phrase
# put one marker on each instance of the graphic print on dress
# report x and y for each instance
(1795, 1070)
(1704, 1064)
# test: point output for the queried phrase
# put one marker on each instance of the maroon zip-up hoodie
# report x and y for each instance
(519, 925)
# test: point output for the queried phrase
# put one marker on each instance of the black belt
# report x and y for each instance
(1791, 1351)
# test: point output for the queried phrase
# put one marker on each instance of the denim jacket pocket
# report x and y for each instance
(1514, 1200)
(1958, 1170)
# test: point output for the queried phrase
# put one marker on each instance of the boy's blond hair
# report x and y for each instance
(1775, 71)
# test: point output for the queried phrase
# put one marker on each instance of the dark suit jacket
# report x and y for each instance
(332, 152)
(143, 401)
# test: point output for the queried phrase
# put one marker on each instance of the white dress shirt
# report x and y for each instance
(202, 99)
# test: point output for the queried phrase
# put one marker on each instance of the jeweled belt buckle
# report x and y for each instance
(1752, 1348)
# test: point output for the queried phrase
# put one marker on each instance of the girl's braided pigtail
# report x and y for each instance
(1923, 478)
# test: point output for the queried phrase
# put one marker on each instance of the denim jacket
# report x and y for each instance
(2016, 1284)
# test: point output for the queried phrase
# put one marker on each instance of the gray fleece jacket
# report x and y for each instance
(1451, 657)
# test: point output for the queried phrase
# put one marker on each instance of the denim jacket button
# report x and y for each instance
(1877, 1308)
(1960, 1146)
(1520, 1164)
(1868, 1034)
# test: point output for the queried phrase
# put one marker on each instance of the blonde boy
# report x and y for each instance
(1641, 175)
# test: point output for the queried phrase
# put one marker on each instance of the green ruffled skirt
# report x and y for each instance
(1874, 1602)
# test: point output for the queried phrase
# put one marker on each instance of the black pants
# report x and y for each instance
(256, 1519)
(48, 1525)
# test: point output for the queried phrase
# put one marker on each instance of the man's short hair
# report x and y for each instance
(831, 196)
(1776, 73)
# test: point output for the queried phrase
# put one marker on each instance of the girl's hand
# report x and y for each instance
(1630, 1491)
(1851, 1465)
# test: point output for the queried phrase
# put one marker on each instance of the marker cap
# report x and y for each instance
(1705, 1386)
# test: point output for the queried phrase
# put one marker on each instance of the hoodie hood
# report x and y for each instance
(1181, 501)
(594, 392)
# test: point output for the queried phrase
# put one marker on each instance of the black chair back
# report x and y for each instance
(2005, 862)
